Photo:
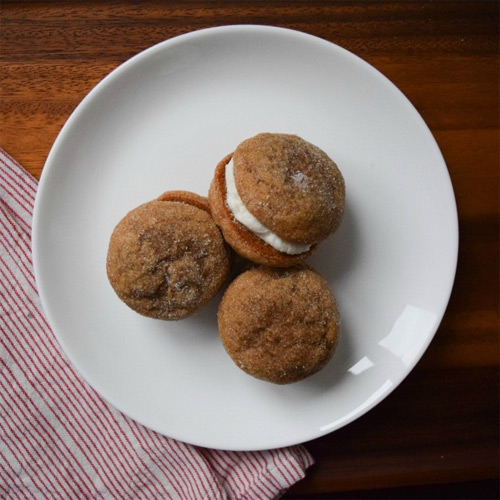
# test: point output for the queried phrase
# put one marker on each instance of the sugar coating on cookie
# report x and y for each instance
(245, 217)
(244, 242)
(279, 325)
(166, 259)
(276, 198)
(290, 185)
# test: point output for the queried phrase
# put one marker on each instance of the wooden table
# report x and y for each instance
(437, 434)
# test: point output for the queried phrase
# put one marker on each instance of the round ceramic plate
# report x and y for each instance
(162, 121)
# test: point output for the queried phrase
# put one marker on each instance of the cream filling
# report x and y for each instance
(243, 216)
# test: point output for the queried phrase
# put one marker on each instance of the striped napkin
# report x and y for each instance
(59, 439)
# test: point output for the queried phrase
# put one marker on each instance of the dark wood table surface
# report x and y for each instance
(437, 434)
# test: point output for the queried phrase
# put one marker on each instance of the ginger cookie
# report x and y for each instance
(167, 258)
(279, 325)
(276, 197)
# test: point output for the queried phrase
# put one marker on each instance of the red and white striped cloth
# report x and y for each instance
(59, 439)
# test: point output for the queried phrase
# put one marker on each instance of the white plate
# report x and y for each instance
(162, 121)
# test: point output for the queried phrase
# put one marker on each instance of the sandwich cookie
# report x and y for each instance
(279, 325)
(167, 258)
(276, 198)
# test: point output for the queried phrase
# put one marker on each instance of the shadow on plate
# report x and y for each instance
(336, 257)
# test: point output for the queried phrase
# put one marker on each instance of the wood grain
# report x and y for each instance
(440, 427)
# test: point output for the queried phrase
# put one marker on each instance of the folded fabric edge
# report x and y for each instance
(288, 466)
(17, 165)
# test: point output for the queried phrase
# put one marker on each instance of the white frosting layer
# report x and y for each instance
(242, 215)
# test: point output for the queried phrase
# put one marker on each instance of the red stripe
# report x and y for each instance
(124, 450)
(39, 425)
(13, 479)
(114, 428)
(292, 464)
(258, 483)
(127, 455)
(127, 452)
(22, 171)
(287, 479)
(13, 163)
(17, 458)
(48, 402)
(214, 463)
(211, 477)
(30, 280)
(15, 171)
(91, 445)
(194, 474)
(146, 446)
(55, 400)
(131, 449)
(51, 400)
(243, 468)
(270, 479)
(206, 474)
(170, 459)
(226, 458)
(11, 226)
(265, 456)
(253, 460)
(11, 433)
(103, 423)
(88, 443)
(27, 199)
(284, 466)
(5, 474)
(308, 459)
(177, 464)
(47, 325)
(165, 444)
(223, 473)
(17, 217)
(24, 302)
(14, 176)
(22, 423)
(297, 452)
(49, 430)
(282, 469)
(239, 472)
(16, 188)
(18, 259)
(252, 482)
(9, 252)
(261, 470)
(77, 413)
